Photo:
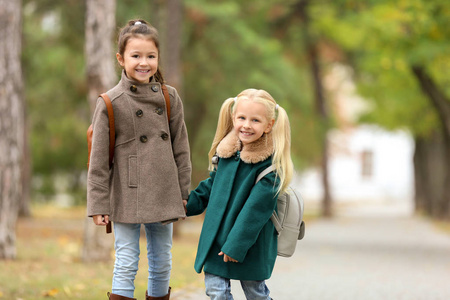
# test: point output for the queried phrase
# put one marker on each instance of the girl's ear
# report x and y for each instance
(269, 126)
(120, 59)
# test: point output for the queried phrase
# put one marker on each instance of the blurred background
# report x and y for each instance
(366, 85)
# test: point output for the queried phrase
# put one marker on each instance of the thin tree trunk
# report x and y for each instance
(170, 20)
(320, 103)
(172, 55)
(100, 25)
(11, 124)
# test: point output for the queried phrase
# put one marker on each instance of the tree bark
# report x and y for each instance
(101, 76)
(170, 20)
(11, 124)
(320, 103)
(99, 48)
(172, 55)
(429, 171)
(441, 205)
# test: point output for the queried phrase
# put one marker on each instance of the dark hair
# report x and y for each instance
(142, 30)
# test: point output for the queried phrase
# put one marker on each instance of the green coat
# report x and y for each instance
(237, 220)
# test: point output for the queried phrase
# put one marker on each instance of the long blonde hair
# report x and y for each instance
(281, 132)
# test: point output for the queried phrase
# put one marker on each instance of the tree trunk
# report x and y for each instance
(320, 103)
(11, 124)
(429, 171)
(172, 56)
(99, 48)
(101, 76)
(24, 208)
(437, 98)
(169, 21)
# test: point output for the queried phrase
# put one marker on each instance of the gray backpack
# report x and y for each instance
(289, 220)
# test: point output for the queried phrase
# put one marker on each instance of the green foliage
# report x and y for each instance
(53, 64)
(231, 45)
(383, 40)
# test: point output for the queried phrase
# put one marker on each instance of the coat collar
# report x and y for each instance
(252, 153)
(137, 88)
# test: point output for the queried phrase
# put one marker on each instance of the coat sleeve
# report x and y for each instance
(99, 173)
(180, 143)
(254, 215)
(199, 198)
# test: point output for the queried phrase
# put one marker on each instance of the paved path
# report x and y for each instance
(363, 258)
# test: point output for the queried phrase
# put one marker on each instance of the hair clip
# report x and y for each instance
(276, 107)
(137, 23)
(235, 100)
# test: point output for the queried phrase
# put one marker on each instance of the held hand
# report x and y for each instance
(184, 204)
(101, 220)
(185, 209)
(226, 258)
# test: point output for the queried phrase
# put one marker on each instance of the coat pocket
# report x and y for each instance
(132, 171)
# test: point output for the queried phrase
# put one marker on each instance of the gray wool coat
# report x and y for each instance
(152, 168)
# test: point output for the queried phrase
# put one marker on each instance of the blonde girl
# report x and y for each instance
(238, 240)
(151, 172)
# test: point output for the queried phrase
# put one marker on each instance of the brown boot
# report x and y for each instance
(166, 297)
(118, 297)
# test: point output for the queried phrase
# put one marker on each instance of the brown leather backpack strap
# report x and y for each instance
(112, 139)
(112, 129)
(167, 98)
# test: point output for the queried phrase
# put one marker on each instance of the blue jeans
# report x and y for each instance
(159, 244)
(219, 288)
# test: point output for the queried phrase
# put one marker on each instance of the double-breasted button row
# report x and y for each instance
(144, 138)
(159, 110)
(133, 88)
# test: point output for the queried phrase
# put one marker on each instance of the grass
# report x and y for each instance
(48, 264)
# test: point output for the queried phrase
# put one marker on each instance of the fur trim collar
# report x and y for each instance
(252, 153)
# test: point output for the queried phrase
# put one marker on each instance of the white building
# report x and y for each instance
(367, 164)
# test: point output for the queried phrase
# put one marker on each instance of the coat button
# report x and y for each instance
(164, 136)
(143, 138)
(159, 111)
(133, 88)
(139, 113)
(154, 88)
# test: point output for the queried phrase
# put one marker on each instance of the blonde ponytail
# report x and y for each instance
(224, 125)
(281, 134)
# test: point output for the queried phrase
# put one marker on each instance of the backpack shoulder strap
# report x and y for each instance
(112, 139)
(112, 129)
(275, 220)
(264, 173)
(167, 98)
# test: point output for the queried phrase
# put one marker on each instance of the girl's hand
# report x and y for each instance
(101, 220)
(226, 258)
(184, 204)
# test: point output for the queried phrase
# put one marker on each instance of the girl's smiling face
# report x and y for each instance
(250, 121)
(140, 59)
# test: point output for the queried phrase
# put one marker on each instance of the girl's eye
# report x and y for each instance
(135, 56)
(255, 120)
(152, 56)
